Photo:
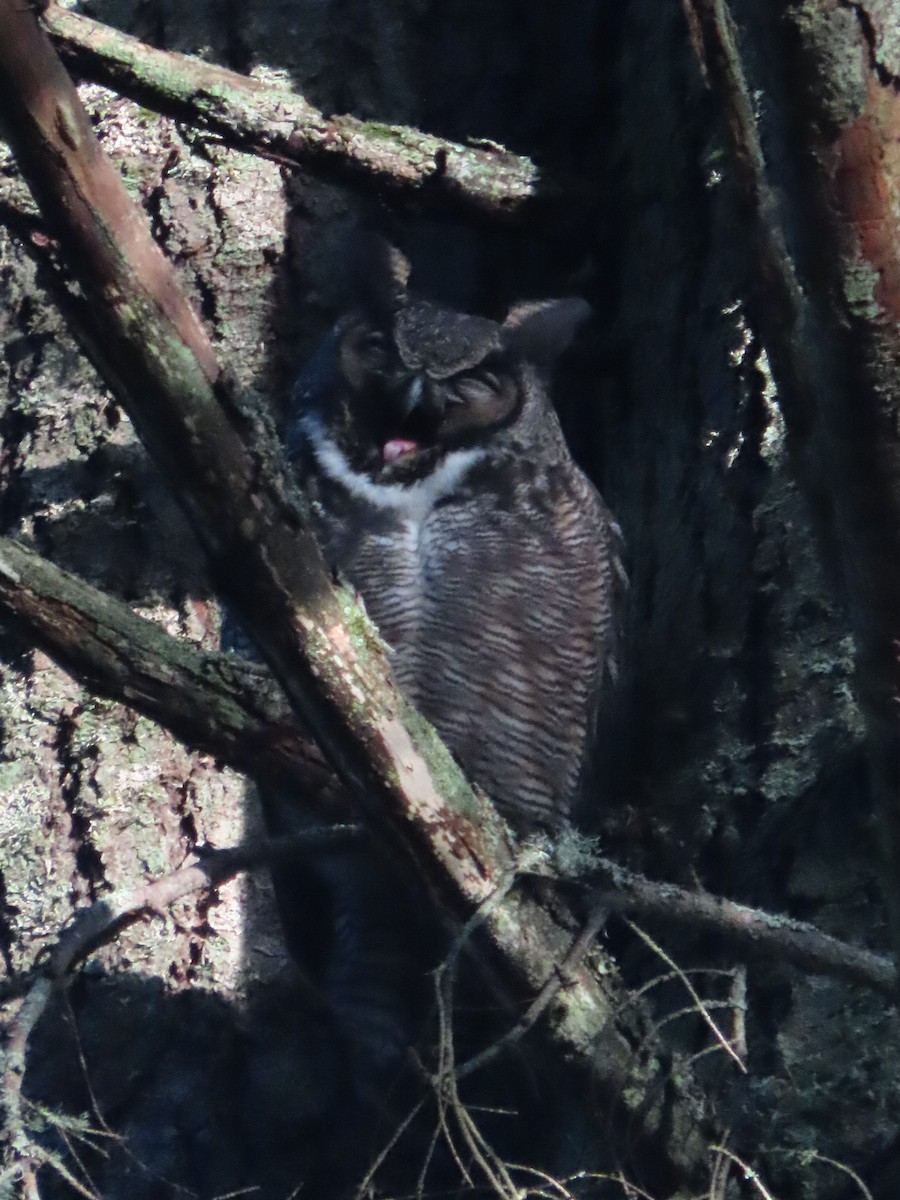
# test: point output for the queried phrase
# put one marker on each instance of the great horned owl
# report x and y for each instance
(447, 497)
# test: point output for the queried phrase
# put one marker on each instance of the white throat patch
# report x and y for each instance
(413, 501)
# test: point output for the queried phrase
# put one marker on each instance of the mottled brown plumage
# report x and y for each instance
(445, 494)
(448, 498)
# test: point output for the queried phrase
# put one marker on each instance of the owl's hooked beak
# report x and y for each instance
(412, 397)
(420, 402)
(417, 407)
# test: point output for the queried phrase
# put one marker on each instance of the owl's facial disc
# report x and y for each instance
(423, 418)
(415, 407)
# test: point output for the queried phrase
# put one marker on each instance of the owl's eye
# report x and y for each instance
(482, 388)
(372, 348)
(364, 352)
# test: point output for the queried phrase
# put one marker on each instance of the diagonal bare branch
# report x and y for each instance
(219, 703)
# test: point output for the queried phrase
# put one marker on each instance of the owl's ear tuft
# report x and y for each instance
(383, 276)
(541, 330)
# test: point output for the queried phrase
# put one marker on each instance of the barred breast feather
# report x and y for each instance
(497, 591)
(445, 494)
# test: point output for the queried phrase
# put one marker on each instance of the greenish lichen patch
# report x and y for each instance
(835, 42)
(379, 129)
(362, 629)
(860, 281)
(445, 772)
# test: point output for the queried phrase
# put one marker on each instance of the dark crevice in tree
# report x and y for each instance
(74, 773)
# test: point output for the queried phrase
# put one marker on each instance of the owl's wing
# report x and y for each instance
(592, 588)
(607, 587)
(508, 640)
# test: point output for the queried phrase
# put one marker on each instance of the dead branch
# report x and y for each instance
(748, 930)
(233, 709)
(218, 703)
(225, 467)
(260, 549)
(21, 1159)
(579, 948)
(483, 180)
(697, 1005)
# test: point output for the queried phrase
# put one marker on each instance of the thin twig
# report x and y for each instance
(702, 1008)
(21, 1157)
(814, 1156)
(90, 928)
(544, 998)
(364, 1187)
(214, 867)
(749, 1173)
